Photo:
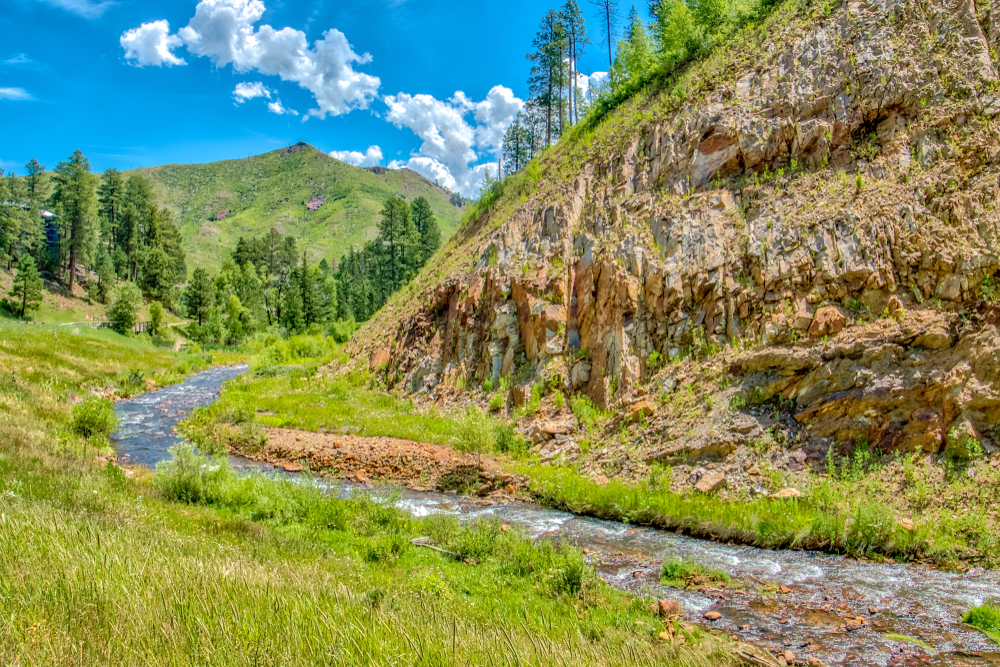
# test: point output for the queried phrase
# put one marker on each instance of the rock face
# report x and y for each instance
(842, 174)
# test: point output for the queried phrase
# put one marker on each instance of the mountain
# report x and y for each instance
(328, 205)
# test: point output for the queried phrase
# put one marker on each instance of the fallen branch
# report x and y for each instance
(426, 543)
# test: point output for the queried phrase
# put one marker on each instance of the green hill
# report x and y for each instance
(221, 201)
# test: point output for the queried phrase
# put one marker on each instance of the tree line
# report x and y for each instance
(267, 282)
(676, 32)
(76, 227)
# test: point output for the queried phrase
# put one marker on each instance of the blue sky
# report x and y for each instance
(139, 83)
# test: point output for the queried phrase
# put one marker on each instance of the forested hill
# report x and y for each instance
(329, 206)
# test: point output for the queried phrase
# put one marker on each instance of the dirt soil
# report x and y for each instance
(415, 465)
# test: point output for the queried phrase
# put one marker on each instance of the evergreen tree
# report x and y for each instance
(547, 70)
(577, 41)
(394, 232)
(13, 199)
(292, 317)
(427, 227)
(105, 275)
(36, 181)
(635, 54)
(77, 205)
(26, 292)
(124, 311)
(199, 297)
(110, 195)
(157, 275)
(517, 147)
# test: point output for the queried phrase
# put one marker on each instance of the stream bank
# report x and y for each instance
(837, 610)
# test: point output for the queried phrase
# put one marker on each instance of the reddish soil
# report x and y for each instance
(417, 465)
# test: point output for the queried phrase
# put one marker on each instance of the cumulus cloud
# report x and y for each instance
(15, 94)
(370, 158)
(151, 44)
(84, 8)
(452, 146)
(249, 91)
(593, 82)
(225, 32)
(278, 108)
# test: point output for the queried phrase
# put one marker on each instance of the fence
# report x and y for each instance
(140, 327)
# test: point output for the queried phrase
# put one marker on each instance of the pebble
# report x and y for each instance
(713, 616)
(789, 657)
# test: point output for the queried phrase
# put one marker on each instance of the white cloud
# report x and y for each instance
(451, 145)
(84, 8)
(593, 82)
(370, 158)
(249, 91)
(151, 44)
(19, 59)
(278, 108)
(224, 31)
(16, 94)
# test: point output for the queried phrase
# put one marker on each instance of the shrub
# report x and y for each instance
(474, 432)
(156, 318)
(95, 417)
(187, 477)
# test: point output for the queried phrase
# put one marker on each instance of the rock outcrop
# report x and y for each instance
(776, 198)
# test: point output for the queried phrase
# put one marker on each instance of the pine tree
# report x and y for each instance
(77, 204)
(13, 198)
(27, 289)
(110, 194)
(547, 70)
(577, 41)
(393, 232)
(517, 146)
(105, 275)
(235, 320)
(426, 222)
(199, 297)
(292, 317)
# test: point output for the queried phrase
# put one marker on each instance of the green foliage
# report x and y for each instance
(26, 292)
(986, 619)
(156, 319)
(95, 418)
(124, 311)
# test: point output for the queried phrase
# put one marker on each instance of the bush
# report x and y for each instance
(187, 477)
(95, 417)
(475, 432)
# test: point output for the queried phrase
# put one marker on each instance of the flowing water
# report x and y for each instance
(826, 591)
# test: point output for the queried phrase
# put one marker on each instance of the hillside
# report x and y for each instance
(783, 260)
(221, 201)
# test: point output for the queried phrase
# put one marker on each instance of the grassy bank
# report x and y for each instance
(194, 565)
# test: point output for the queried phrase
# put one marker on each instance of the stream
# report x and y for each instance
(916, 602)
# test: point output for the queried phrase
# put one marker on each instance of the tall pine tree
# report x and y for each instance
(77, 204)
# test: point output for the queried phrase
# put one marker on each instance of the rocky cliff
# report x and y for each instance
(811, 211)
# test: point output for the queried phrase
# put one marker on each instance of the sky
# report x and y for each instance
(426, 84)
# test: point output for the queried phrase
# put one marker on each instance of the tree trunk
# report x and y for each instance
(72, 267)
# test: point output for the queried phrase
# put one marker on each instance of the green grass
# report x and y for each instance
(909, 640)
(680, 573)
(98, 568)
(986, 619)
(271, 190)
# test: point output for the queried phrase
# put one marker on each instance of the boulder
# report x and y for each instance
(828, 321)
(711, 482)
(787, 493)
(712, 616)
(667, 608)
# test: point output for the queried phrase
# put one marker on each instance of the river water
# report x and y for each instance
(826, 591)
